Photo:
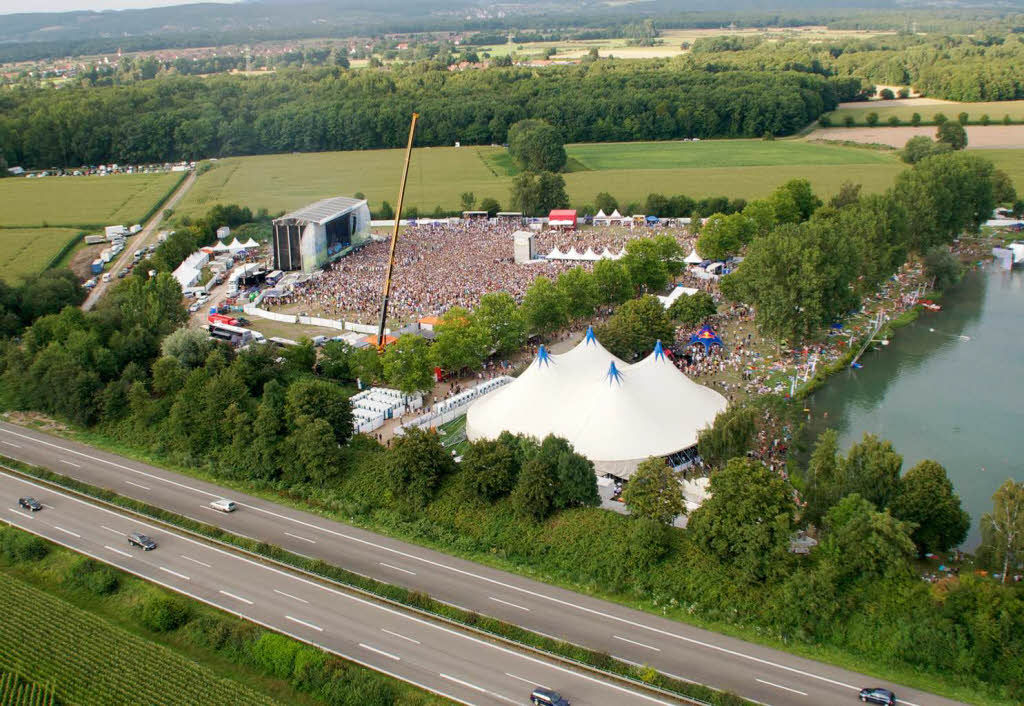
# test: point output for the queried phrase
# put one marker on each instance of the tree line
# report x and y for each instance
(979, 67)
(182, 117)
(806, 265)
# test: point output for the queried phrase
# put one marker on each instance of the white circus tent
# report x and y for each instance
(614, 413)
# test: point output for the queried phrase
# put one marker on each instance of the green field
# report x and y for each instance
(90, 661)
(82, 201)
(15, 691)
(994, 110)
(27, 251)
(718, 153)
(629, 171)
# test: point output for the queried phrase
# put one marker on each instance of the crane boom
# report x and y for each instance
(394, 236)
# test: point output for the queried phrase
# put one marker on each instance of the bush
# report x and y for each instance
(20, 546)
(92, 576)
(275, 654)
(164, 613)
(871, 119)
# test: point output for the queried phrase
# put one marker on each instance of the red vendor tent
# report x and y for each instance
(562, 218)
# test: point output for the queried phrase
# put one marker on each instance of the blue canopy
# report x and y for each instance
(707, 337)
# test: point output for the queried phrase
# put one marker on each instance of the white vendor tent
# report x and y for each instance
(678, 291)
(235, 245)
(615, 414)
(250, 243)
(693, 258)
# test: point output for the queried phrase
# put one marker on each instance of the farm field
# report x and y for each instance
(718, 153)
(287, 181)
(82, 201)
(15, 691)
(629, 171)
(26, 251)
(984, 137)
(91, 662)
(670, 42)
(995, 111)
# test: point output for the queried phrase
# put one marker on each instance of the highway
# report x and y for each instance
(449, 662)
(758, 673)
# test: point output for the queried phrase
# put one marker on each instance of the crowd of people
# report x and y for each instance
(440, 266)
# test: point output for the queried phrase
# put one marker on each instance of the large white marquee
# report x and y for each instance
(614, 413)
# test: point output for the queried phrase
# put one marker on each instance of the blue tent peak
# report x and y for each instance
(542, 355)
(590, 337)
(613, 374)
(659, 352)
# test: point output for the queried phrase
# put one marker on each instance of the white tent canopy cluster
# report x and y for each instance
(235, 245)
(615, 219)
(614, 413)
(588, 256)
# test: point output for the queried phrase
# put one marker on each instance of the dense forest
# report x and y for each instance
(979, 68)
(336, 109)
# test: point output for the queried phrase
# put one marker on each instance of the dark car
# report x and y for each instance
(137, 539)
(30, 504)
(878, 696)
(547, 697)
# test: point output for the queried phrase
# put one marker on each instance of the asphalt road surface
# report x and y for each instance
(450, 662)
(758, 673)
(138, 241)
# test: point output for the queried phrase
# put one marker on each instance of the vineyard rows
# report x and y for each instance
(93, 663)
(15, 691)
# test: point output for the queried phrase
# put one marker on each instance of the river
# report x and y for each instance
(949, 387)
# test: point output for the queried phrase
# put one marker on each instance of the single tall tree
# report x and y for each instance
(654, 492)
(926, 499)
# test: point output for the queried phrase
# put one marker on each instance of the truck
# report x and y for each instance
(114, 231)
(222, 319)
(97, 266)
(94, 239)
(107, 255)
(137, 228)
(235, 335)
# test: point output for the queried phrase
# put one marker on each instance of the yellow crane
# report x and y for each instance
(394, 235)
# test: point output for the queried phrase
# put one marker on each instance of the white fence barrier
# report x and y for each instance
(454, 407)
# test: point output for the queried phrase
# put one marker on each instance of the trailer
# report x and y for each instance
(94, 239)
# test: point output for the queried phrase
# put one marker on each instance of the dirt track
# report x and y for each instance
(979, 137)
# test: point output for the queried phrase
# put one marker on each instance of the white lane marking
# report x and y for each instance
(10, 444)
(237, 598)
(196, 561)
(294, 598)
(174, 573)
(395, 634)
(117, 532)
(638, 644)
(528, 681)
(397, 568)
(477, 688)
(303, 622)
(513, 654)
(498, 600)
(73, 534)
(304, 539)
(381, 652)
(70, 463)
(276, 628)
(780, 686)
(137, 485)
(107, 546)
(463, 683)
(19, 512)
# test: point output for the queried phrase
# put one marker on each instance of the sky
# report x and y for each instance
(11, 6)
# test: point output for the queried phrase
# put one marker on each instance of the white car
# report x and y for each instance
(194, 308)
(106, 276)
(224, 505)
